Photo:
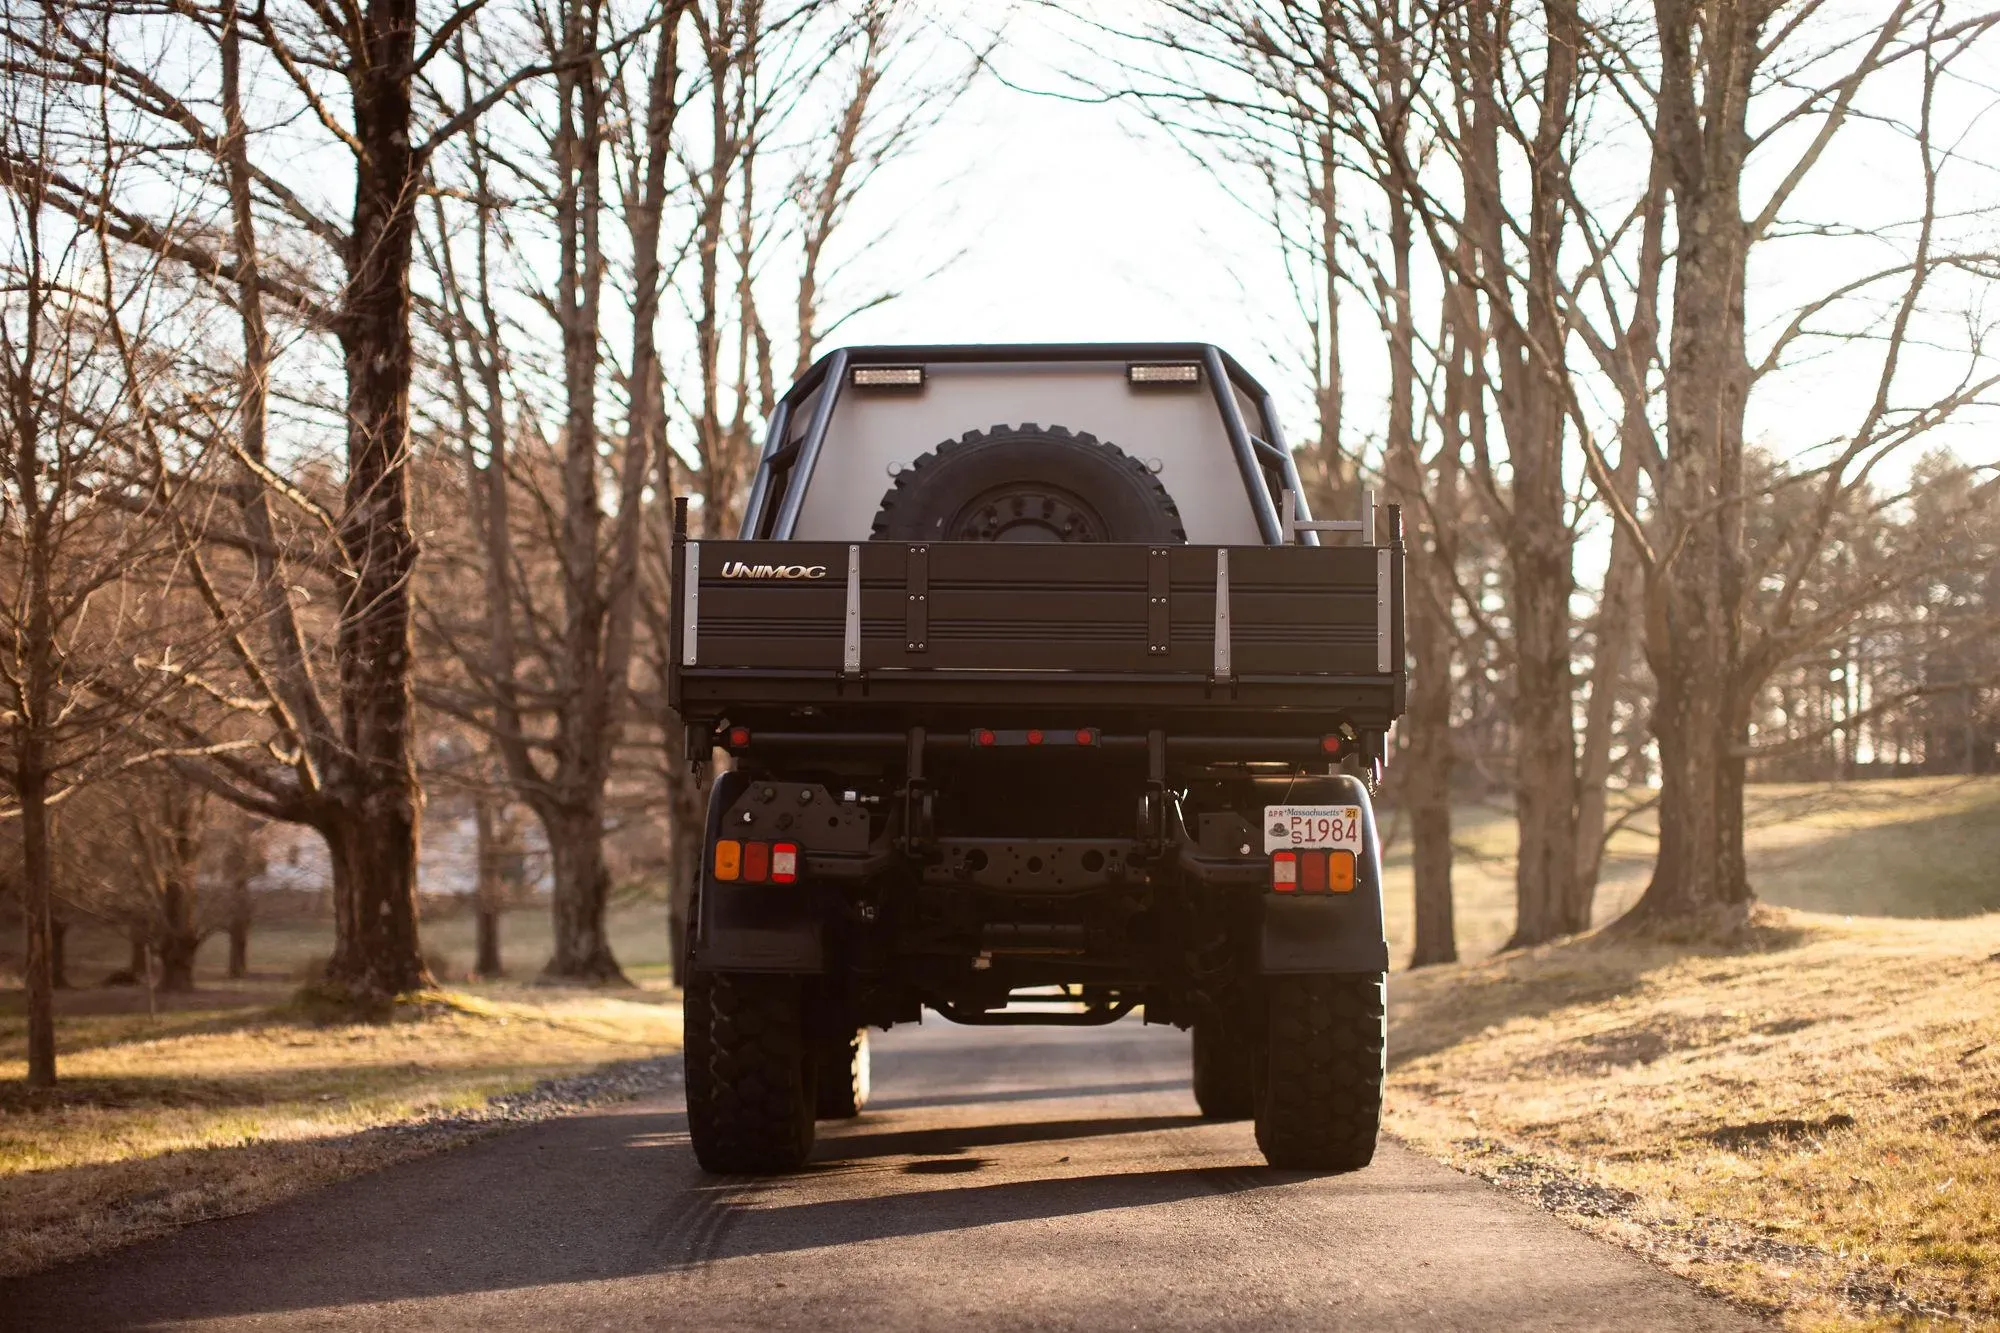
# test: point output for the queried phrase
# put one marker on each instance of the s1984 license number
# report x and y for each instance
(1312, 826)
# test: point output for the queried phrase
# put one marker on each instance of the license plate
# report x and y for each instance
(1312, 826)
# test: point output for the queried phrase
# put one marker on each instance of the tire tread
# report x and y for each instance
(1319, 1103)
(749, 1088)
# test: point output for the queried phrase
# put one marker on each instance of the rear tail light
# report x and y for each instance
(739, 737)
(1340, 872)
(1011, 737)
(757, 862)
(1284, 871)
(1312, 872)
(1332, 744)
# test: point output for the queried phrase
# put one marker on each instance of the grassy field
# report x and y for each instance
(1810, 1124)
(1915, 847)
(282, 950)
(225, 1104)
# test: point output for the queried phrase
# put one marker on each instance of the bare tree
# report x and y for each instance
(1709, 656)
(340, 740)
(84, 644)
(821, 97)
(552, 681)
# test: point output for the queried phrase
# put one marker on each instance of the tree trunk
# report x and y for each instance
(1424, 779)
(138, 956)
(239, 946)
(372, 831)
(31, 785)
(58, 953)
(1539, 542)
(1694, 619)
(487, 892)
(1427, 765)
(375, 951)
(1530, 388)
(178, 940)
(582, 891)
(687, 829)
(1612, 654)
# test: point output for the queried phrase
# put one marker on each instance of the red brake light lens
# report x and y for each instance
(1332, 744)
(1312, 872)
(756, 862)
(739, 737)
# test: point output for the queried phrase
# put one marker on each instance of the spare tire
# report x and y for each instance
(1028, 484)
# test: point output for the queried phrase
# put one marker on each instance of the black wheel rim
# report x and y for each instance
(1024, 512)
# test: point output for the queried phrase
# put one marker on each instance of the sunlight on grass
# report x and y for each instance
(1824, 1106)
(1911, 847)
(207, 1113)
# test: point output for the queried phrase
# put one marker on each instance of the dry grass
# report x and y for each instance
(1811, 1125)
(203, 1113)
(1912, 847)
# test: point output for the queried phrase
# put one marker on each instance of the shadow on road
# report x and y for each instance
(1053, 1092)
(585, 1200)
(747, 1228)
(956, 1139)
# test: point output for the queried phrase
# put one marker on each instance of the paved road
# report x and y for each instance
(1004, 1178)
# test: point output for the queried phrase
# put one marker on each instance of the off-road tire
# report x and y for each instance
(749, 1073)
(1028, 483)
(1223, 1071)
(842, 1082)
(1319, 1073)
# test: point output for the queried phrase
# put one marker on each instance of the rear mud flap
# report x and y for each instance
(754, 927)
(1323, 934)
(1329, 932)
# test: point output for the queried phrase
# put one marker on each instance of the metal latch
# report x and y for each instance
(916, 599)
(1158, 590)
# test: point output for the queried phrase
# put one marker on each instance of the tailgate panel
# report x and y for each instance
(1294, 610)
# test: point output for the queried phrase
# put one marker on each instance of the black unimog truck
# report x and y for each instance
(1043, 721)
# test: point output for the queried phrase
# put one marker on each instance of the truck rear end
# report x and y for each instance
(1048, 720)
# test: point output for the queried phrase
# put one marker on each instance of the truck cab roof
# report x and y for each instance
(860, 416)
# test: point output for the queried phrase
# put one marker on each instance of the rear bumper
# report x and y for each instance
(797, 928)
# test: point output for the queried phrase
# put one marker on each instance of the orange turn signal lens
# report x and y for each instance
(728, 859)
(1340, 872)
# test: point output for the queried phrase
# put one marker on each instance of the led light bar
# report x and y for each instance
(1183, 373)
(886, 377)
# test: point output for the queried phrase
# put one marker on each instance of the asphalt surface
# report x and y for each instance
(1002, 1178)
